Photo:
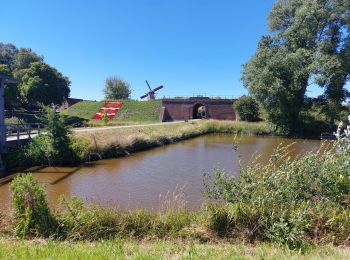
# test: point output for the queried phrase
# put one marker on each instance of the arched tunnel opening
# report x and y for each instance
(199, 111)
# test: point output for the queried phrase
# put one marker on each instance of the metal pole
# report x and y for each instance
(18, 134)
(2, 117)
(2, 126)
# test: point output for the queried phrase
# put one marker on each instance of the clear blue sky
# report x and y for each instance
(189, 46)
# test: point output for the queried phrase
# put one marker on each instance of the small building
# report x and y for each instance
(68, 103)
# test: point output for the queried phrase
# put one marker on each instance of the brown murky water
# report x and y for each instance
(148, 179)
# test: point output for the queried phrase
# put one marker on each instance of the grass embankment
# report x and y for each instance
(83, 110)
(115, 142)
(128, 249)
(132, 112)
(139, 111)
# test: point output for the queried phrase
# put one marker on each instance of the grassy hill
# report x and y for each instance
(84, 110)
(139, 111)
(131, 111)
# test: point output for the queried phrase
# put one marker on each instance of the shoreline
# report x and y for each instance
(115, 142)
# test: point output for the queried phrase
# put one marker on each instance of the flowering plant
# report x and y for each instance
(343, 137)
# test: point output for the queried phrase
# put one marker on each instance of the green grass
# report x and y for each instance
(131, 249)
(139, 111)
(131, 112)
(114, 142)
(85, 109)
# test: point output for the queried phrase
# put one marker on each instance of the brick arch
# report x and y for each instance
(195, 109)
(183, 109)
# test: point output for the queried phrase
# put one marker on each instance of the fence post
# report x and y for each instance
(18, 135)
(29, 132)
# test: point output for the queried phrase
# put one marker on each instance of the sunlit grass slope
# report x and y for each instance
(139, 111)
(85, 109)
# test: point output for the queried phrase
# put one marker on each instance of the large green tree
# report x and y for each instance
(42, 84)
(24, 57)
(302, 33)
(8, 53)
(12, 94)
(116, 88)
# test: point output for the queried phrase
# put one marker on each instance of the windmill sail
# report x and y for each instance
(151, 93)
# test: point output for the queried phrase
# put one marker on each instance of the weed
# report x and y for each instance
(32, 214)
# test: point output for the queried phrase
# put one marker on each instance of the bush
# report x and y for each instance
(248, 109)
(55, 148)
(287, 198)
(31, 212)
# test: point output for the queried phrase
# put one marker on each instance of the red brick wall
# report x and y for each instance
(221, 112)
(182, 109)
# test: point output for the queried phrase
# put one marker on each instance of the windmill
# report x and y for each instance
(151, 94)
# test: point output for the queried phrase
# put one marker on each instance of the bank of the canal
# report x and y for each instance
(111, 142)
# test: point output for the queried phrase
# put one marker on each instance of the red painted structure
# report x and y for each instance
(186, 109)
(111, 108)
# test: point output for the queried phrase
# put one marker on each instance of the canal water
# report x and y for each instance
(158, 178)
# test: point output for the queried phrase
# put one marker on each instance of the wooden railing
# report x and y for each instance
(23, 131)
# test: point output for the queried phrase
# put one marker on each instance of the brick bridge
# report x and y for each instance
(197, 107)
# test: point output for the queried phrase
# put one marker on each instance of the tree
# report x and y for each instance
(333, 59)
(303, 35)
(278, 78)
(247, 108)
(4, 69)
(8, 53)
(42, 84)
(24, 57)
(116, 88)
(11, 91)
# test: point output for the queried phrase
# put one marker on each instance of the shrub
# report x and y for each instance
(31, 211)
(247, 108)
(55, 148)
(58, 132)
(288, 196)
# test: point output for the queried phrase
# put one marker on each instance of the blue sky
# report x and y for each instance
(189, 46)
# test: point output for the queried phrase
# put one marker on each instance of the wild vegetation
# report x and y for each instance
(56, 147)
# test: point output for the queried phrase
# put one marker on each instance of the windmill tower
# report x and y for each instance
(151, 94)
